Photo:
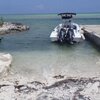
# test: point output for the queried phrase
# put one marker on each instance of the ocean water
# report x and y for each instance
(34, 55)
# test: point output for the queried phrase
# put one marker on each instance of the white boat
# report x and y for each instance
(67, 31)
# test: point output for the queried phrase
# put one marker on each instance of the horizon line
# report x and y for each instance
(46, 13)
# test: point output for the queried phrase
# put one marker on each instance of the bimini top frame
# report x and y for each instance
(67, 15)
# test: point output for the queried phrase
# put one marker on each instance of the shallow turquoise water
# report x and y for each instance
(35, 56)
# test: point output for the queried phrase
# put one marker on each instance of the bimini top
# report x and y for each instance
(66, 15)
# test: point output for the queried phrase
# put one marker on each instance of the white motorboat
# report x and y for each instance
(67, 31)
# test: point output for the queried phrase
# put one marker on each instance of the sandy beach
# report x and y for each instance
(62, 89)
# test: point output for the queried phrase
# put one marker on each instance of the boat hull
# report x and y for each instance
(54, 36)
(67, 35)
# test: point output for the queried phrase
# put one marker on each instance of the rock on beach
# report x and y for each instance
(9, 27)
(5, 63)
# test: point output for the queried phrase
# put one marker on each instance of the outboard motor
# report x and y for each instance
(62, 35)
(70, 35)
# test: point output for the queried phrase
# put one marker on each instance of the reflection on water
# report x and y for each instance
(34, 55)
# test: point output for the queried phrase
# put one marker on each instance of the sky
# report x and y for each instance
(48, 6)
